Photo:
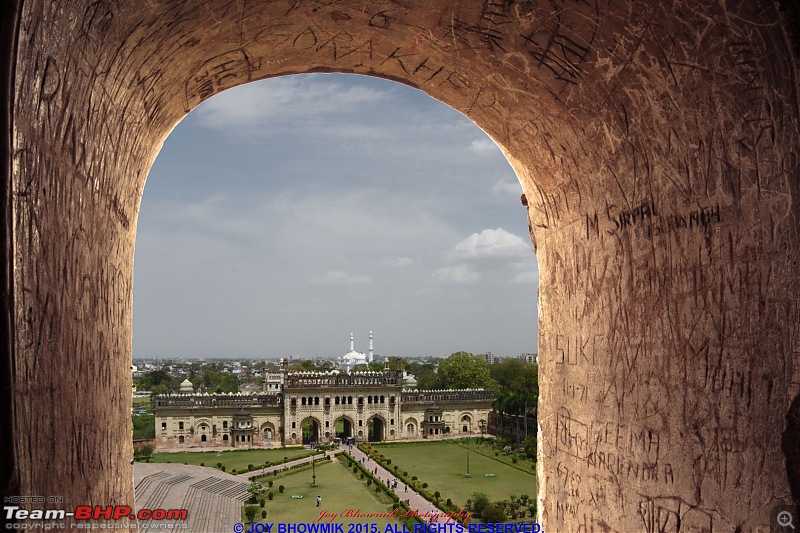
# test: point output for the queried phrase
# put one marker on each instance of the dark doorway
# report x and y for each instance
(344, 429)
(375, 428)
(310, 428)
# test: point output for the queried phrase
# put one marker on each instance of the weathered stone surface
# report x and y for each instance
(657, 144)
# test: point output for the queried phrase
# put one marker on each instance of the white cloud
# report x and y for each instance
(340, 278)
(492, 243)
(396, 262)
(483, 146)
(459, 274)
(284, 101)
(507, 187)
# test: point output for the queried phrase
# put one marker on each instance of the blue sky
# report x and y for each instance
(284, 214)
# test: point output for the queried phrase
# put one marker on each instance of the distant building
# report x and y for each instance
(301, 407)
(530, 357)
(353, 358)
(489, 356)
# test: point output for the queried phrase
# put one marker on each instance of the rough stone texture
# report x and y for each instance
(657, 144)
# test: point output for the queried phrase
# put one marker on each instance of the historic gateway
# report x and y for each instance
(294, 408)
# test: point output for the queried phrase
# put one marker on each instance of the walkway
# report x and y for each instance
(417, 503)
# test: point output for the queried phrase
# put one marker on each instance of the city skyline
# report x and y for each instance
(282, 215)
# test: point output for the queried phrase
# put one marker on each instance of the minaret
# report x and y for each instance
(351, 343)
(370, 347)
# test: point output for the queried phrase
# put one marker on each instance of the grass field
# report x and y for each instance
(232, 459)
(443, 466)
(340, 490)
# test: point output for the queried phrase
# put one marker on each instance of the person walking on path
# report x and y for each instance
(319, 500)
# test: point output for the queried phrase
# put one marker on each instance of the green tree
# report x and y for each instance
(530, 447)
(228, 383)
(254, 489)
(144, 426)
(464, 370)
(493, 514)
(250, 511)
(308, 365)
(479, 501)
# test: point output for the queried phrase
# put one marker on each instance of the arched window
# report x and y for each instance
(304, 400)
(336, 401)
(225, 424)
(410, 429)
(180, 439)
(203, 438)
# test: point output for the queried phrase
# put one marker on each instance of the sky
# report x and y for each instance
(284, 214)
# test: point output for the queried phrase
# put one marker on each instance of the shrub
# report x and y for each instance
(222, 468)
(250, 467)
(263, 514)
(480, 501)
(437, 495)
(270, 482)
(219, 465)
(413, 478)
(424, 485)
(202, 464)
(388, 461)
(405, 473)
(377, 489)
(369, 482)
(250, 512)
(514, 459)
(270, 495)
(233, 471)
(281, 488)
(493, 513)
(261, 502)
(449, 502)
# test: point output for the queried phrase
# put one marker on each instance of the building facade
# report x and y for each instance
(302, 407)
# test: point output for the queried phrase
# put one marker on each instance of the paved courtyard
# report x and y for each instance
(213, 498)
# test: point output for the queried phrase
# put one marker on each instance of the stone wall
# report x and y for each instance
(657, 145)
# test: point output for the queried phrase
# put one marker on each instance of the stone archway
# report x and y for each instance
(310, 430)
(376, 429)
(657, 148)
(343, 427)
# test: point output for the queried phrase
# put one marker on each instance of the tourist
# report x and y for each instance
(319, 500)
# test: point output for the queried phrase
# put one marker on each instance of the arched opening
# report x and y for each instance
(310, 430)
(655, 145)
(376, 428)
(344, 428)
(203, 438)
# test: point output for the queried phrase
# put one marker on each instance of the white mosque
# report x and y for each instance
(353, 358)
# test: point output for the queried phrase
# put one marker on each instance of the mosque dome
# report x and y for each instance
(353, 358)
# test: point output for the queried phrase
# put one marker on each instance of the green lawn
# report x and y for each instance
(443, 466)
(232, 459)
(340, 489)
